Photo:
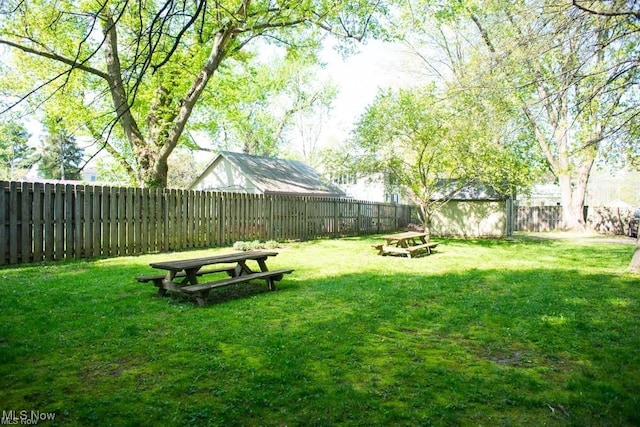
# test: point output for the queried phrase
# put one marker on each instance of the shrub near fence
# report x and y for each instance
(610, 220)
(44, 221)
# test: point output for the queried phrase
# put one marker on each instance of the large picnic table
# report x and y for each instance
(409, 243)
(182, 275)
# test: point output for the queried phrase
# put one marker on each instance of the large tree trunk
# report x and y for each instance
(164, 130)
(573, 194)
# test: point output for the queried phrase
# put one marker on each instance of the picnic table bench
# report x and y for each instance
(409, 243)
(158, 278)
(234, 265)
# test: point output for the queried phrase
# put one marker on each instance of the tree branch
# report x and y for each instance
(74, 64)
(601, 13)
(116, 86)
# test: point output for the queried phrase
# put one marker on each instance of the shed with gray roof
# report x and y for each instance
(249, 174)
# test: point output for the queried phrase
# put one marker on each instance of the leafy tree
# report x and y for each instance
(315, 100)
(570, 72)
(258, 109)
(627, 65)
(110, 171)
(133, 72)
(429, 148)
(16, 156)
(187, 168)
(61, 157)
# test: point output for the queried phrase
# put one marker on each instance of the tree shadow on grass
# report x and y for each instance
(555, 345)
(543, 345)
(479, 346)
(222, 295)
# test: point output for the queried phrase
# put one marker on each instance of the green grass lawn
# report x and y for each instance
(529, 331)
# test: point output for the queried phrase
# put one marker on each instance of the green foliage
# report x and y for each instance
(519, 332)
(255, 245)
(135, 72)
(569, 71)
(271, 244)
(253, 106)
(109, 171)
(61, 156)
(16, 156)
(186, 167)
(431, 146)
(553, 74)
(404, 135)
(242, 246)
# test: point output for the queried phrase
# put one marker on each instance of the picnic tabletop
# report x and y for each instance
(177, 265)
(408, 243)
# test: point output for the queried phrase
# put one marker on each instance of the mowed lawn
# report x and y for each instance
(527, 331)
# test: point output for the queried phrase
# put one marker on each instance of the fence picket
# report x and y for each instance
(87, 228)
(26, 225)
(37, 241)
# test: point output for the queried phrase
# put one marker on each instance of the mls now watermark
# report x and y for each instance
(26, 417)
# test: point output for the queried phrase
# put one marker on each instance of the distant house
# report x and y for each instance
(371, 188)
(89, 174)
(245, 173)
(475, 210)
(541, 195)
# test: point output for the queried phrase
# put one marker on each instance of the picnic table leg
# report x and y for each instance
(262, 264)
(191, 276)
(243, 268)
(158, 284)
(163, 285)
(201, 297)
(271, 280)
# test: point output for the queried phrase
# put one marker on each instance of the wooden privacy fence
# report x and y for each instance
(537, 218)
(603, 219)
(43, 221)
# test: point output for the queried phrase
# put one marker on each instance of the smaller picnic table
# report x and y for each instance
(182, 275)
(408, 243)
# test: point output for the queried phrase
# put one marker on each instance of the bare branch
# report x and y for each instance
(631, 13)
(58, 58)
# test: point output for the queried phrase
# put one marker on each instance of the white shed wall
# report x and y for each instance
(225, 177)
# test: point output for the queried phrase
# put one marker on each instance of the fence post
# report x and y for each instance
(221, 219)
(25, 232)
(87, 217)
(13, 223)
(40, 224)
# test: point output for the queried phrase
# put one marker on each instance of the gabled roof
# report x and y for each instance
(276, 176)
